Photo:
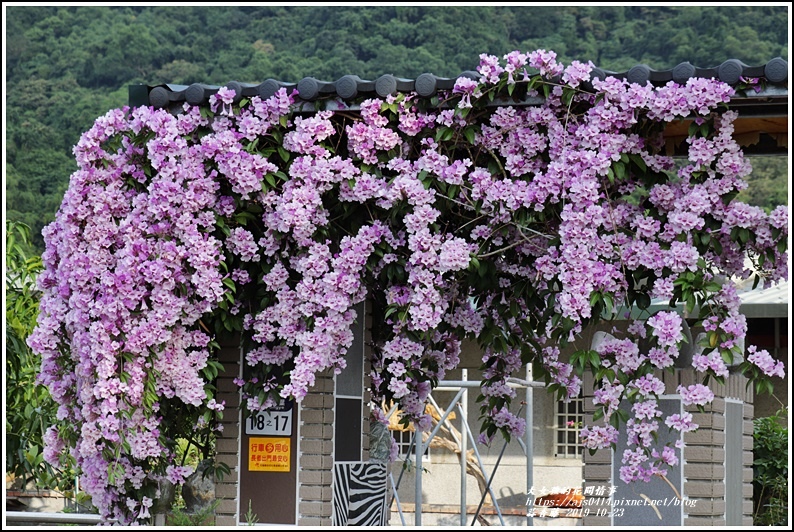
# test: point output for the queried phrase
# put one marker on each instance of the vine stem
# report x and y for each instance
(498, 251)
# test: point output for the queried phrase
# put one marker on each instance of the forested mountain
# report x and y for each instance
(67, 65)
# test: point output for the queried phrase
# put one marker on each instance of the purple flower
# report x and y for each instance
(779, 217)
(681, 423)
(514, 425)
(455, 255)
(178, 474)
(764, 361)
(545, 62)
(667, 328)
(489, 69)
(577, 72)
(598, 437)
(225, 97)
(164, 211)
(646, 410)
(667, 456)
(648, 385)
(695, 394)
(516, 61)
(467, 88)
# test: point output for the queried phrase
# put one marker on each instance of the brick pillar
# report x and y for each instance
(315, 453)
(747, 461)
(704, 470)
(704, 465)
(228, 444)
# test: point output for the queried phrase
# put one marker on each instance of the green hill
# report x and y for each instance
(67, 65)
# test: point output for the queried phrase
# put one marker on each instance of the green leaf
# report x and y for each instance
(567, 97)
(470, 134)
(711, 286)
(251, 147)
(229, 283)
(639, 161)
(620, 171)
(609, 303)
(690, 303)
(482, 269)
(643, 301)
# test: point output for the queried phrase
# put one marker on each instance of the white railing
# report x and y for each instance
(52, 517)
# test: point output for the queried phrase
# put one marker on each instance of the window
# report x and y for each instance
(405, 450)
(570, 419)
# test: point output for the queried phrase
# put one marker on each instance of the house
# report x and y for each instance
(312, 464)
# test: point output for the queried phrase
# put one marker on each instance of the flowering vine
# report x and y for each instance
(467, 215)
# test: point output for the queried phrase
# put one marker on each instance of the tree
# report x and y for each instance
(30, 410)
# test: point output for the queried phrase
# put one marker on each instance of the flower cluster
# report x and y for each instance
(514, 226)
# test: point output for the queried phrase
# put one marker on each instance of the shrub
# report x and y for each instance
(770, 470)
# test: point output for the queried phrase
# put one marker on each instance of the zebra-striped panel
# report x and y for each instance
(359, 494)
(341, 494)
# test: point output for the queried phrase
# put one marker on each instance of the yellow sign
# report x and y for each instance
(269, 454)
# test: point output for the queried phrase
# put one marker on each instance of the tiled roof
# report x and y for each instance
(762, 128)
(350, 87)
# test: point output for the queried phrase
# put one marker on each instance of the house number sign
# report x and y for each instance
(274, 422)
